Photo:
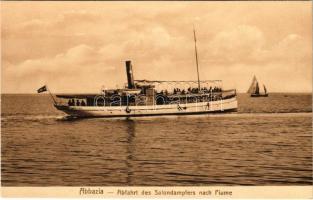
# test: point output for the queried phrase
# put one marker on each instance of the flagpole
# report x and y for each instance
(55, 102)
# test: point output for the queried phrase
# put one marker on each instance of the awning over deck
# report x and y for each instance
(77, 96)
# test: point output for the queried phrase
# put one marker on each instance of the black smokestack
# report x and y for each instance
(130, 77)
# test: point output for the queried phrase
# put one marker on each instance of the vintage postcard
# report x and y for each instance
(156, 99)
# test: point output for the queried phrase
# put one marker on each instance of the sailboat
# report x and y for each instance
(254, 89)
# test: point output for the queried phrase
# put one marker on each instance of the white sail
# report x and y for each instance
(262, 88)
(253, 86)
(265, 90)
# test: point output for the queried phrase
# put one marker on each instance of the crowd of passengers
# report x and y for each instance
(192, 90)
(71, 102)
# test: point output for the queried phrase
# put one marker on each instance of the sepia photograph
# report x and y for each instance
(190, 97)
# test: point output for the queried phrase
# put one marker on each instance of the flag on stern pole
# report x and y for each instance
(42, 89)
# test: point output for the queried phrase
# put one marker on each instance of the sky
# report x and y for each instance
(77, 47)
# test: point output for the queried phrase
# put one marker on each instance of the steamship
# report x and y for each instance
(151, 98)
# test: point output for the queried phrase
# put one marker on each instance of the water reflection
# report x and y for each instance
(69, 118)
(130, 148)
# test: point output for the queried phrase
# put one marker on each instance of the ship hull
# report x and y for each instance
(221, 106)
(259, 95)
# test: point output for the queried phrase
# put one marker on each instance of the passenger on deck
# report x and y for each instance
(71, 102)
(83, 103)
(77, 103)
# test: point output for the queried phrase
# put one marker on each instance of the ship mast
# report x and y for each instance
(196, 53)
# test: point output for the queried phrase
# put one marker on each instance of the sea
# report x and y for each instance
(268, 142)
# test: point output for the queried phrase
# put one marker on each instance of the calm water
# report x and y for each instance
(268, 142)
